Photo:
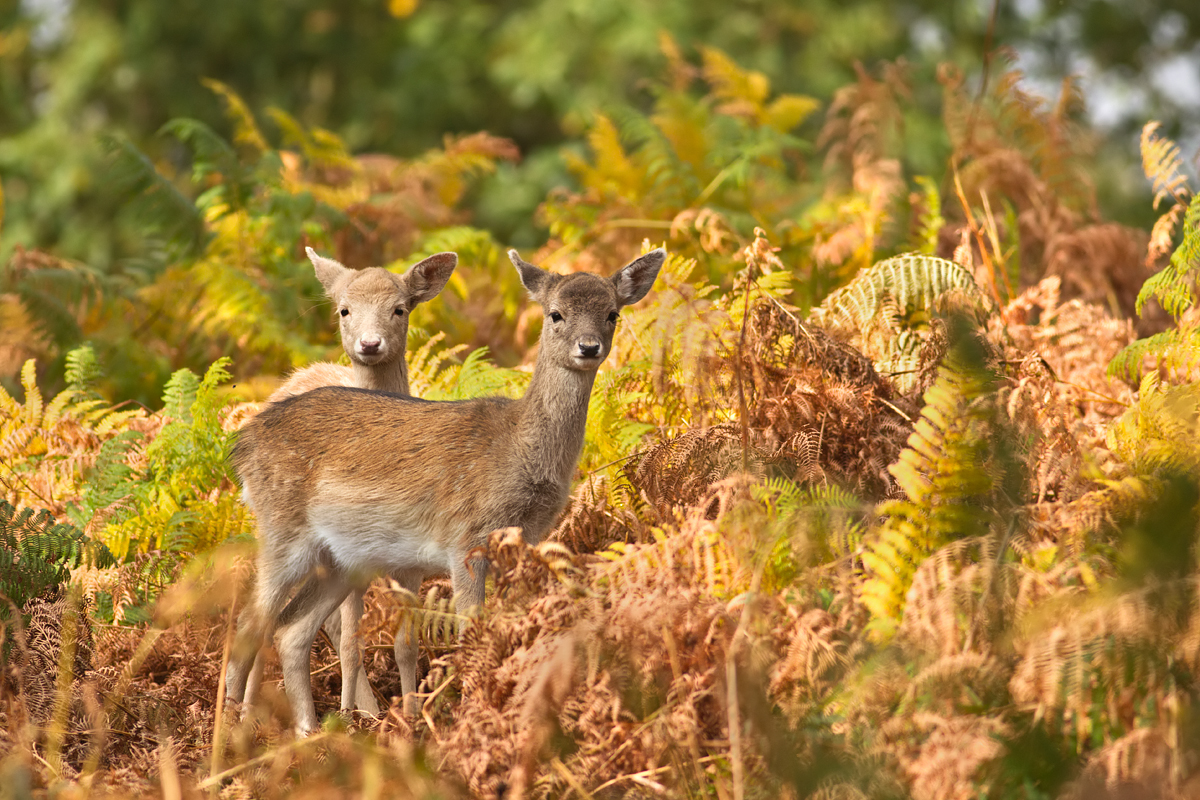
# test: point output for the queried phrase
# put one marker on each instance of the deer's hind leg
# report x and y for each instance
(405, 645)
(254, 627)
(298, 626)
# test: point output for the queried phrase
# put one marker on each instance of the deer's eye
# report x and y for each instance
(399, 312)
(555, 316)
(345, 312)
(612, 317)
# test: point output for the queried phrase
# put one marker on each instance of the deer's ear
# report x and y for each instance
(534, 279)
(329, 272)
(428, 277)
(635, 278)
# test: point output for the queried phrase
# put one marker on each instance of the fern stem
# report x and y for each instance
(895, 408)
(975, 231)
(219, 712)
(214, 781)
(28, 487)
(636, 223)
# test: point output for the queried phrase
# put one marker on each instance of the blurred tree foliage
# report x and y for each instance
(81, 80)
(394, 77)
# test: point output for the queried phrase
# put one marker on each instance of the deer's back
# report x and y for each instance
(314, 376)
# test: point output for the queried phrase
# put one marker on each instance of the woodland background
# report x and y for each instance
(890, 486)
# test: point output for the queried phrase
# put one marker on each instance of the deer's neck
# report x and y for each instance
(552, 420)
(391, 377)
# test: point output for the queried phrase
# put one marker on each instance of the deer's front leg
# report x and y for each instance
(297, 630)
(356, 687)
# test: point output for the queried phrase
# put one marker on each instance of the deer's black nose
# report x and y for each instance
(589, 350)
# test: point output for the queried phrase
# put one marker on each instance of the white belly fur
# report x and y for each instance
(376, 546)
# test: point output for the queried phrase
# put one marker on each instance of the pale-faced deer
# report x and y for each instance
(349, 484)
(373, 307)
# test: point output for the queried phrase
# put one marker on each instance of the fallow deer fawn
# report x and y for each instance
(348, 484)
(373, 308)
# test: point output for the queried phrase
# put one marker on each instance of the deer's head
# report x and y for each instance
(582, 309)
(373, 304)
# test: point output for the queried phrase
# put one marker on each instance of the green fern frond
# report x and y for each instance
(1175, 350)
(930, 219)
(917, 284)
(108, 480)
(37, 554)
(1174, 287)
(186, 461)
(943, 475)
(476, 376)
(82, 370)
(212, 156)
(155, 198)
(1159, 432)
(613, 431)
(180, 393)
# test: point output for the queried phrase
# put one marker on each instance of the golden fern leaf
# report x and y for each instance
(985, 675)
(886, 310)
(55, 408)
(245, 129)
(319, 147)
(1162, 235)
(1163, 165)
(739, 92)
(1175, 290)
(111, 419)
(929, 216)
(216, 521)
(1081, 661)
(698, 555)
(9, 407)
(612, 171)
(435, 622)
(787, 111)
(1159, 432)
(960, 597)
(33, 395)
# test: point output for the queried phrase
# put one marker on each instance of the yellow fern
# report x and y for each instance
(245, 129)
(943, 477)
(1163, 165)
